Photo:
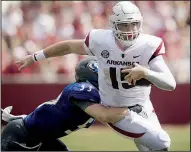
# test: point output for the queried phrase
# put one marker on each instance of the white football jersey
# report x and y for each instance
(114, 91)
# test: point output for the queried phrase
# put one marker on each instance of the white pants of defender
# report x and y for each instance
(150, 135)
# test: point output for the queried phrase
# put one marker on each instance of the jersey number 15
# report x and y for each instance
(114, 82)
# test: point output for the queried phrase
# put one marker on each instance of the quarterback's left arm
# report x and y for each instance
(158, 72)
(160, 75)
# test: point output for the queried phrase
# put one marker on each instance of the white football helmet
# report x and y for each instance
(126, 22)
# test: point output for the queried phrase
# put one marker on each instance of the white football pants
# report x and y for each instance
(144, 129)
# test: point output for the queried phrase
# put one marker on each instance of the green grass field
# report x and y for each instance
(102, 138)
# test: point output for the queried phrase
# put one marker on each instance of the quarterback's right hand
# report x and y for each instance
(25, 62)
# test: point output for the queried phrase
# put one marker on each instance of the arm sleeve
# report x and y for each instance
(160, 75)
(83, 104)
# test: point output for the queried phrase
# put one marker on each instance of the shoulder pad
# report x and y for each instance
(150, 40)
(84, 91)
(155, 43)
(97, 36)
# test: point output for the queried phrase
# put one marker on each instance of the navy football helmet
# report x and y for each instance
(87, 70)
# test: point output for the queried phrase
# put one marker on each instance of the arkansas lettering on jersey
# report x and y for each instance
(114, 91)
(60, 117)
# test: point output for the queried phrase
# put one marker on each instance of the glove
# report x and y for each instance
(137, 108)
(7, 117)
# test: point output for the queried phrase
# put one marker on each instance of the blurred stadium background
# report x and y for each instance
(29, 26)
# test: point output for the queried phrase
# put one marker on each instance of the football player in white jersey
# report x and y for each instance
(130, 62)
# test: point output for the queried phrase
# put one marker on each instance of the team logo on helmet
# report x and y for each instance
(93, 66)
(105, 54)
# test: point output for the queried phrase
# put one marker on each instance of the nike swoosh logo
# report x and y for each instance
(136, 56)
(35, 57)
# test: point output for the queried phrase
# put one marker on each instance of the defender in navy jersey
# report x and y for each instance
(61, 116)
(76, 107)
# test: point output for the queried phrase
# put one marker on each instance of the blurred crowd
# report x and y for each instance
(29, 26)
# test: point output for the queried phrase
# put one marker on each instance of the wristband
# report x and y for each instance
(39, 55)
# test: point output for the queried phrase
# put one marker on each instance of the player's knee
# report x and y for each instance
(155, 140)
(164, 140)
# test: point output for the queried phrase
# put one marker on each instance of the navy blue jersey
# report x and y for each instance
(60, 117)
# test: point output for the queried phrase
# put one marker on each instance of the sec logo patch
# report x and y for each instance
(105, 54)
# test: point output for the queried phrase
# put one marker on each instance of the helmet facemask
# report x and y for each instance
(126, 32)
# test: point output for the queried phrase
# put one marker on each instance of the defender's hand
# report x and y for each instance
(136, 73)
(7, 116)
(25, 62)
